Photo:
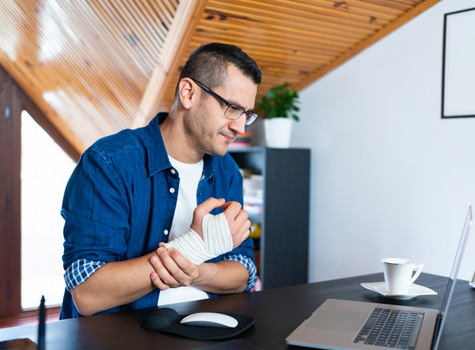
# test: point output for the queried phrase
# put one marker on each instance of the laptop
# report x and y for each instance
(345, 324)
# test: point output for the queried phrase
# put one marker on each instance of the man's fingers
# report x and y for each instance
(175, 269)
(160, 266)
(246, 234)
(226, 205)
(210, 204)
(232, 210)
(188, 269)
(237, 218)
(241, 216)
(157, 282)
(242, 234)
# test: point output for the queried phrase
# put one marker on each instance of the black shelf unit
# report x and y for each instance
(285, 218)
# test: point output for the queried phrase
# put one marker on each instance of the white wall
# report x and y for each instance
(389, 176)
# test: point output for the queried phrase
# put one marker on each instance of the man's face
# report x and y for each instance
(211, 130)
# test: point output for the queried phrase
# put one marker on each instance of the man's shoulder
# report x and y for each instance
(124, 153)
(122, 142)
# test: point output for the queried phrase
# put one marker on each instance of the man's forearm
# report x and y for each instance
(114, 284)
(222, 277)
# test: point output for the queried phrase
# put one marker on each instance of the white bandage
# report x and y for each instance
(216, 240)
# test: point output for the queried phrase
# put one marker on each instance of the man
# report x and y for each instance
(134, 191)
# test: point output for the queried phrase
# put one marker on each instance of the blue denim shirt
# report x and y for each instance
(120, 201)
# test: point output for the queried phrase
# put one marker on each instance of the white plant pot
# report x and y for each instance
(278, 132)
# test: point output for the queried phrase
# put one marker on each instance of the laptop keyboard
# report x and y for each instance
(391, 328)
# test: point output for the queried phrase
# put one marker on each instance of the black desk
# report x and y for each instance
(277, 312)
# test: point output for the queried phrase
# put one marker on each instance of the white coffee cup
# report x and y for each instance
(398, 274)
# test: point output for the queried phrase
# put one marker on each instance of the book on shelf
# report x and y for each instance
(242, 141)
(253, 193)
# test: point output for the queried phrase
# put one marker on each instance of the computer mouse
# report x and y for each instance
(210, 319)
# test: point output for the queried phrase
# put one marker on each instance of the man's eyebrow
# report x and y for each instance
(238, 105)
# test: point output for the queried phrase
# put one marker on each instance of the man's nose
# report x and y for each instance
(238, 125)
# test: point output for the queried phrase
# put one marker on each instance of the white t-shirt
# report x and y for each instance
(190, 175)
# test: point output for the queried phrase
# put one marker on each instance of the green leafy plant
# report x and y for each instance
(279, 102)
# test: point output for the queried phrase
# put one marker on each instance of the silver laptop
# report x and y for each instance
(344, 324)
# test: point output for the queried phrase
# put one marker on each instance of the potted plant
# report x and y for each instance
(278, 109)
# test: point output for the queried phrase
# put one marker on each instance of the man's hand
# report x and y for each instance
(172, 269)
(238, 221)
(236, 217)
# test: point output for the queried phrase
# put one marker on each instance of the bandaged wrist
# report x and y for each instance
(216, 240)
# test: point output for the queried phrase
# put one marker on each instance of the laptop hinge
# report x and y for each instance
(438, 321)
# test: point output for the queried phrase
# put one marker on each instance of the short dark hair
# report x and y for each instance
(208, 64)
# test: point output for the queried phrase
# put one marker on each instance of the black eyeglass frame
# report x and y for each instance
(250, 115)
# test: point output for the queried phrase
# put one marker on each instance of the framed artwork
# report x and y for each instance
(458, 64)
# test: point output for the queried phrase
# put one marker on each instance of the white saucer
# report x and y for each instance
(414, 290)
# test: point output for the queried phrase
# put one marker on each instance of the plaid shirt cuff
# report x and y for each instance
(79, 272)
(249, 265)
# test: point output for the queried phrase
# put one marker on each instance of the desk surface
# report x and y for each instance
(277, 312)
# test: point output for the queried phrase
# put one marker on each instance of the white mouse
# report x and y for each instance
(210, 319)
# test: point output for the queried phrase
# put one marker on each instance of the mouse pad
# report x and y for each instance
(168, 320)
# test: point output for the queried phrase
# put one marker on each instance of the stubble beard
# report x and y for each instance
(205, 138)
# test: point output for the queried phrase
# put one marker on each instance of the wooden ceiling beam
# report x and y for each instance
(184, 24)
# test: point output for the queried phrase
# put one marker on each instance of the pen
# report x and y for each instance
(42, 325)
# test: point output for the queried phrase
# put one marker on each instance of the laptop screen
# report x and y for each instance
(453, 275)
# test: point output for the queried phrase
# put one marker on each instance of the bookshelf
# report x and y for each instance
(282, 248)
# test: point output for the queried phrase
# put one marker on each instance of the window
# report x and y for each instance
(45, 170)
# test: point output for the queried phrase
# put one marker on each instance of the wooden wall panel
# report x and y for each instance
(10, 197)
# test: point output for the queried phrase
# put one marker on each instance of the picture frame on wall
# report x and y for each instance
(458, 71)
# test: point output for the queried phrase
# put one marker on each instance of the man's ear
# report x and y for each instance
(187, 92)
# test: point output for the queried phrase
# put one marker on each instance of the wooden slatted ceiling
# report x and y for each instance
(298, 41)
(97, 66)
(88, 61)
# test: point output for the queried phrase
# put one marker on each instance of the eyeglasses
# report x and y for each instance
(232, 112)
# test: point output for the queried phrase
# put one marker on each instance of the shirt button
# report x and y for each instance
(173, 171)
(165, 232)
(172, 190)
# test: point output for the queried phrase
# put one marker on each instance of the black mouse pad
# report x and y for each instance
(168, 320)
